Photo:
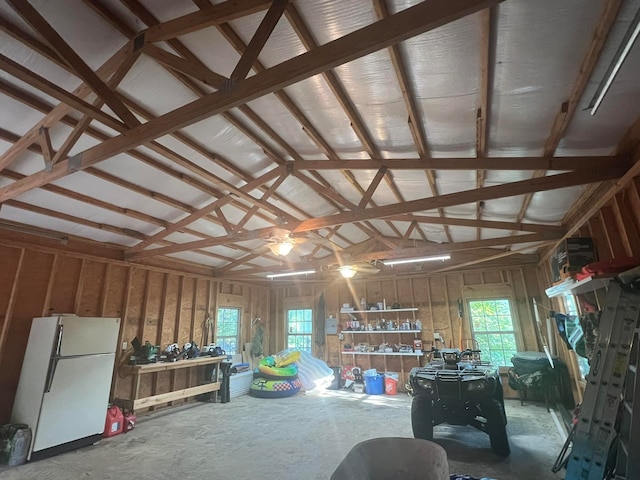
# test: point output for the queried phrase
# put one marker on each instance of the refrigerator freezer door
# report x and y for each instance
(88, 335)
(41, 344)
(76, 406)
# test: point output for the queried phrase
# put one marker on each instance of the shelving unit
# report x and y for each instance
(383, 336)
(574, 287)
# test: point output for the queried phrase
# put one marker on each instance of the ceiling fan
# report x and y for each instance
(350, 270)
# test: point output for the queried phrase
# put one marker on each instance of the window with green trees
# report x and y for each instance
(493, 329)
(228, 329)
(300, 329)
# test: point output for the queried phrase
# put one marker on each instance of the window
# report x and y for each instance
(493, 329)
(300, 329)
(228, 329)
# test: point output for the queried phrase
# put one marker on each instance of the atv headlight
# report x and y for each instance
(425, 385)
(476, 386)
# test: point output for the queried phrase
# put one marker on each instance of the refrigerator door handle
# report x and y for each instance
(55, 356)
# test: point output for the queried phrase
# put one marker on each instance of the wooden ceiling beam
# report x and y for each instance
(415, 122)
(203, 211)
(482, 114)
(356, 122)
(498, 191)
(462, 222)
(460, 198)
(396, 28)
(69, 55)
(47, 148)
(568, 108)
(486, 258)
(61, 110)
(122, 69)
(212, 15)
(257, 42)
(205, 243)
(83, 124)
(497, 163)
(382, 171)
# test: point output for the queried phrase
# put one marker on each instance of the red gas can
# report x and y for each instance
(114, 423)
(129, 422)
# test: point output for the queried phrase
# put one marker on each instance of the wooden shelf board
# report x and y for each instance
(412, 354)
(388, 310)
(381, 331)
(577, 287)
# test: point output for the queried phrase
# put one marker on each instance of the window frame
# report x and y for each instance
(288, 334)
(514, 324)
(238, 326)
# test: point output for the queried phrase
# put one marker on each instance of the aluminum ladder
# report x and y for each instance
(596, 429)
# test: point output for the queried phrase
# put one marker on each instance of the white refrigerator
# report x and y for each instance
(63, 392)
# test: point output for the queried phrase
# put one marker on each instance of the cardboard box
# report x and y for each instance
(570, 256)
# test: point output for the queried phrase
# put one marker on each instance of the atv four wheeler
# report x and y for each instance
(459, 389)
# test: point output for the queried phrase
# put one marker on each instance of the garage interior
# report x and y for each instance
(164, 162)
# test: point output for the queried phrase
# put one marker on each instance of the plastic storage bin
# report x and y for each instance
(374, 384)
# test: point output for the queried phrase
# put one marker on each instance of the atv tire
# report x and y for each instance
(422, 418)
(493, 411)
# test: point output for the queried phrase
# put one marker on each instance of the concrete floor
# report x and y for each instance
(302, 437)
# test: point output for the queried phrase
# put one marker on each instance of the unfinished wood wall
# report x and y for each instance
(155, 305)
(436, 297)
(615, 230)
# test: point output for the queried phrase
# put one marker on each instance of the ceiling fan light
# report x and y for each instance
(347, 271)
(281, 248)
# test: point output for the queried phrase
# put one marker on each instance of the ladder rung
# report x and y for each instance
(633, 368)
(625, 447)
(629, 407)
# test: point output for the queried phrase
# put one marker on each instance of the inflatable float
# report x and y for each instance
(288, 372)
(266, 388)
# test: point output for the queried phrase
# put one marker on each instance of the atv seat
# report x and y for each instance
(394, 458)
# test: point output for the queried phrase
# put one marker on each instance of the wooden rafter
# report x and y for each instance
(463, 222)
(212, 15)
(482, 114)
(258, 40)
(486, 193)
(568, 108)
(68, 54)
(497, 191)
(415, 122)
(498, 163)
(201, 212)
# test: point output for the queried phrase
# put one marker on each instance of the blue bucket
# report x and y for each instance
(374, 384)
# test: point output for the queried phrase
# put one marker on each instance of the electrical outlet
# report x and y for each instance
(124, 345)
(437, 336)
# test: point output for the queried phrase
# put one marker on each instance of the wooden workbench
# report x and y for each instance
(211, 386)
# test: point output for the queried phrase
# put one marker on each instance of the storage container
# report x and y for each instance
(15, 440)
(239, 383)
(114, 423)
(374, 384)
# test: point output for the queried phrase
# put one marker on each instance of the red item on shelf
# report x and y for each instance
(608, 267)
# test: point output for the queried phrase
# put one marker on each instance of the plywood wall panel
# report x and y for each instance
(65, 285)
(10, 263)
(30, 292)
(115, 291)
(93, 282)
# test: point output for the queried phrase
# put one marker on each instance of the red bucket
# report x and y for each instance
(390, 386)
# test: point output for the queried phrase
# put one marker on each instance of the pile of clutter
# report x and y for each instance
(148, 353)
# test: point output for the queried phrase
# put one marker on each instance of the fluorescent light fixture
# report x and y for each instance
(347, 271)
(415, 260)
(616, 63)
(281, 248)
(291, 274)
